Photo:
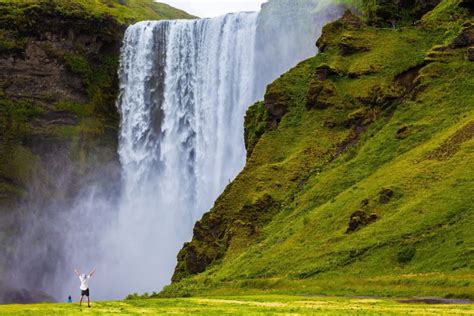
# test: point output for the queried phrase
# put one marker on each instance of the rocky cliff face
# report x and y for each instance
(357, 167)
(57, 90)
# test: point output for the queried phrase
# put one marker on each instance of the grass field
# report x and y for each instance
(293, 305)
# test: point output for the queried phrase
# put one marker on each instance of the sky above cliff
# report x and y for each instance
(211, 8)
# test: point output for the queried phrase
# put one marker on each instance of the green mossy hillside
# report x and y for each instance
(123, 11)
(365, 152)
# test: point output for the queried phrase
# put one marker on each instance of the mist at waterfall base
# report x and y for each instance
(184, 89)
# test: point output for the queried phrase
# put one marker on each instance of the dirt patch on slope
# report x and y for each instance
(451, 146)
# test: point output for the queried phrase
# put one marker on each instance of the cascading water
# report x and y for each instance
(184, 90)
(185, 87)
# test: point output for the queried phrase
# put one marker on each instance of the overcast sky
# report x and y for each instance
(210, 8)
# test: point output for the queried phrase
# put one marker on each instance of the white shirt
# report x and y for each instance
(84, 282)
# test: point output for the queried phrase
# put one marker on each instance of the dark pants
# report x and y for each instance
(85, 292)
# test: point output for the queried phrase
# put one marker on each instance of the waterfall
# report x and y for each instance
(184, 89)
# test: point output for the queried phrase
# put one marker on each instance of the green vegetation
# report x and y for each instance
(359, 177)
(366, 153)
(127, 11)
(124, 11)
(17, 164)
(246, 305)
(11, 43)
(389, 12)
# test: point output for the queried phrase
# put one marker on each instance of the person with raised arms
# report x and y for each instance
(85, 285)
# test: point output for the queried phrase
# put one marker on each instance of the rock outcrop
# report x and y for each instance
(60, 74)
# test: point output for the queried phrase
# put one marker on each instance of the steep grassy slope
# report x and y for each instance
(360, 174)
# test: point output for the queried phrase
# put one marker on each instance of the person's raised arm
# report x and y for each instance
(92, 272)
(77, 272)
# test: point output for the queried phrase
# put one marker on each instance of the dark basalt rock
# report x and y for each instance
(357, 118)
(406, 80)
(402, 132)
(196, 262)
(320, 94)
(276, 103)
(467, 4)
(349, 45)
(378, 96)
(323, 71)
(364, 72)
(470, 53)
(364, 202)
(465, 37)
(359, 219)
(214, 233)
(385, 195)
(321, 90)
(331, 31)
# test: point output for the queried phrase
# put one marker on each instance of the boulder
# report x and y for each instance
(332, 31)
(323, 71)
(379, 96)
(349, 45)
(359, 219)
(357, 118)
(320, 94)
(276, 103)
(385, 195)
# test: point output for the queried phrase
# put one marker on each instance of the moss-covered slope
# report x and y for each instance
(124, 11)
(360, 174)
